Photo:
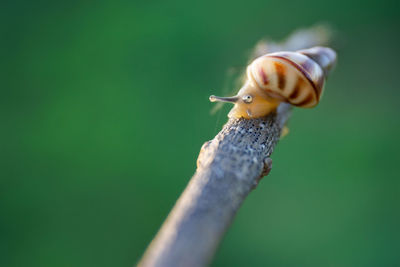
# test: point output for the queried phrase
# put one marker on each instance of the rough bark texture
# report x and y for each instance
(229, 167)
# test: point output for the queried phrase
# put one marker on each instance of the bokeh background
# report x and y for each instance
(104, 107)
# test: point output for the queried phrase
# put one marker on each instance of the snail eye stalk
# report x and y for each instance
(232, 99)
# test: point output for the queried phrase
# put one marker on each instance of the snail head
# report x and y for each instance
(248, 103)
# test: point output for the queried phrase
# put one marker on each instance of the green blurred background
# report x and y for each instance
(104, 107)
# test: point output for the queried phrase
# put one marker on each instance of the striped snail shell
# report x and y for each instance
(294, 77)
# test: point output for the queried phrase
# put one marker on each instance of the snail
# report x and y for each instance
(294, 77)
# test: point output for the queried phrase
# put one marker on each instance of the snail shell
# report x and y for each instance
(294, 77)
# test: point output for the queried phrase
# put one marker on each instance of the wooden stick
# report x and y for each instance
(228, 168)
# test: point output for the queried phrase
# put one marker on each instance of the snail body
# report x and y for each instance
(294, 77)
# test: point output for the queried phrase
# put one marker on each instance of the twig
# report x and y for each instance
(228, 168)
